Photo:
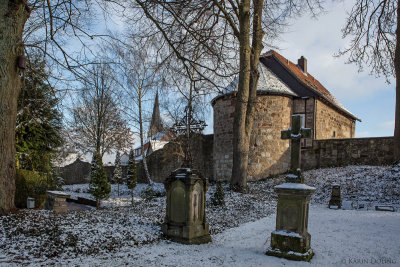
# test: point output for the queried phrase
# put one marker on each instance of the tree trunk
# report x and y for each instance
(247, 91)
(397, 73)
(13, 15)
(146, 170)
(256, 48)
(132, 196)
(240, 142)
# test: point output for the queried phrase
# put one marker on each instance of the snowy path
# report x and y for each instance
(339, 238)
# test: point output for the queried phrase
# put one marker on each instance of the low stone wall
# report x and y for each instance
(349, 151)
(79, 172)
(162, 162)
(323, 154)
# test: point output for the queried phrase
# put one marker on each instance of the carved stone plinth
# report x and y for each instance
(291, 240)
(185, 220)
(56, 201)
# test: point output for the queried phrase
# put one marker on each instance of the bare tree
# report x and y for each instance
(190, 92)
(374, 28)
(137, 66)
(97, 123)
(220, 27)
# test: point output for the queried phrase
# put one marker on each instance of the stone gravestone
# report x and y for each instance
(336, 200)
(185, 220)
(291, 240)
(56, 201)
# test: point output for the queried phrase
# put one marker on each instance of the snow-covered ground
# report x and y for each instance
(120, 234)
(339, 238)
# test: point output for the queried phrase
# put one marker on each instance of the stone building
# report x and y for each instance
(284, 89)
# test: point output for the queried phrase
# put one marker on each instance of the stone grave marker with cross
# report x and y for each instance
(291, 239)
(295, 133)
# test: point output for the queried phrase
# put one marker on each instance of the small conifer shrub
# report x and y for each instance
(118, 171)
(100, 188)
(218, 199)
(131, 178)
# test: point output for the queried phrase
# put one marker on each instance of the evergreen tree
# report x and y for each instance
(131, 178)
(218, 198)
(118, 170)
(38, 130)
(100, 188)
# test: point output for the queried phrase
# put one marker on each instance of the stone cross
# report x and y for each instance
(295, 133)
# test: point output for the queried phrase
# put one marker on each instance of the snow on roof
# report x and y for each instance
(271, 83)
(157, 136)
(268, 82)
(156, 145)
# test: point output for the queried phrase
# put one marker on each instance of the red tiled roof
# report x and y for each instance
(308, 80)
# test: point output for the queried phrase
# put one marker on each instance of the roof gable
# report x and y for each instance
(310, 85)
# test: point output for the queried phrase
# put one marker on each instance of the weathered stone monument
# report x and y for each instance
(185, 220)
(291, 240)
(336, 200)
(56, 201)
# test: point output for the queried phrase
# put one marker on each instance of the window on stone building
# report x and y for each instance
(303, 141)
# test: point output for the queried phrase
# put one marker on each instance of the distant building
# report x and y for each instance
(157, 136)
(156, 125)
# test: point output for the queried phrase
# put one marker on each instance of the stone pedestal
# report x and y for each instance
(185, 220)
(291, 240)
(336, 200)
(56, 201)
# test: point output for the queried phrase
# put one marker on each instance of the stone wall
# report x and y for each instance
(350, 151)
(331, 124)
(162, 162)
(223, 135)
(78, 172)
(323, 154)
(268, 153)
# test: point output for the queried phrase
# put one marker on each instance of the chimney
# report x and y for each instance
(302, 62)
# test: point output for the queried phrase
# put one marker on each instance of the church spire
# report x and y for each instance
(156, 123)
